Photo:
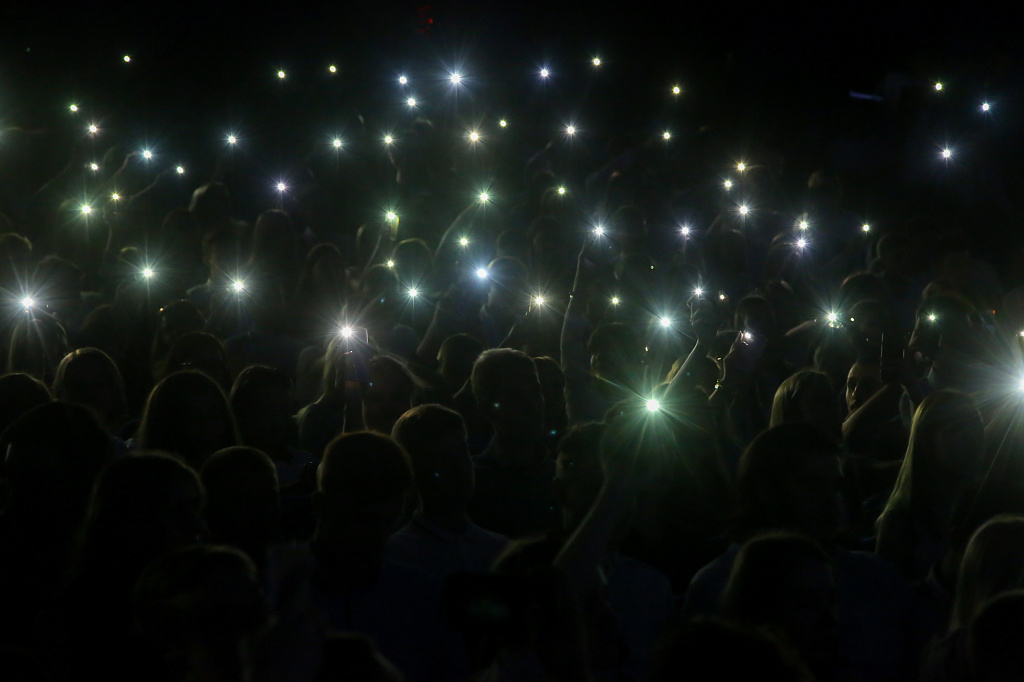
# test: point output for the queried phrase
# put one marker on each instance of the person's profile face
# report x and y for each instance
(863, 381)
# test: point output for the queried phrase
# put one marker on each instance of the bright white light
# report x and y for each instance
(455, 78)
(146, 154)
(73, 108)
(1020, 385)
(94, 166)
(93, 128)
(698, 292)
(127, 58)
(336, 142)
(391, 216)
(86, 209)
(544, 73)
(985, 106)
(947, 153)
(391, 263)
(180, 170)
(147, 272)
(27, 302)
(599, 231)
(346, 332)
(938, 87)
(727, 184)
(615, 300)
(388, 139)
(413, 293)
(741, 166)
(561, 190)
(463, 241)
(481, 273)
(653, 405)
(803, 225)
(281, 187)
(832, 317)
(744, 209)
(722, 297)
(411, 101)
(865, 227)
(474, 136)
(932, 317)
(665, 322)
(238, 285)
(676, 89)
(685, 230)
(503, 123)
(538, 300)
(484, 197)
(332, 68)
(596, 61)
(281, 74)
(403, 80)
(570, 130)
(232, 139)
(666, 135)
(115, 196)
(801, 243)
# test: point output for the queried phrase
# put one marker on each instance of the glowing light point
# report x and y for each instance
(86, 209)
(676, 89)
(985, 106)
(722, 297)
(538, 300)
(474, 136)
(27, 302)
(127, 58)
(832, 318)
(803, 225)
(391, 216)
(503, 123)
(115, 196)
(232, 139)
(1020, 385)
(596, 61)
(332, 68)
(932, 317)
(94, 166)
(238, 285)
(741, 166)
(653, 405)
(599, 231)
(73, 108)
(403, 80)
(865, 227)
(570, 130)
(146, 154)
(947, 153)
(801, 243)
(685, 230)
(346, 332)
(484, 197)
(561, 191)
(391, 263)
(463, 241)
(665, 322)
(615, 300)
(93, 129)
(388, 139)
(281, 187)
(336, 142)
(666, 135)
(938, 87)
(411, 101)
(413, 293)
(698, 292)
(455, 78)
(544, 73)
(281, 74)
(727, 184)
(744, 209)
(180, 170)
(481, 273)
(147, 272)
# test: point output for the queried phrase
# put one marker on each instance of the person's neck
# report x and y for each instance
(344, 564)
(449, 520)
(514, 450)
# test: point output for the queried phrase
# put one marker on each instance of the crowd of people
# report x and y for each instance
(565, 414)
